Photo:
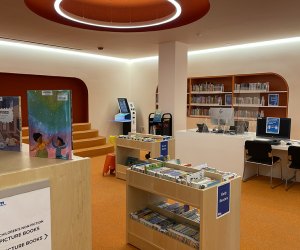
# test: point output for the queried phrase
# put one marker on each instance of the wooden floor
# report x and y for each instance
(270, 218)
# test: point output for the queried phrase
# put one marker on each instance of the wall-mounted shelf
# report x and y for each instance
(246, 92)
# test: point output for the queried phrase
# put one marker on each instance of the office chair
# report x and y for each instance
(294, 163)
(260, 153)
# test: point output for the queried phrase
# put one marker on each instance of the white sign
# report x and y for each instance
(25, 220)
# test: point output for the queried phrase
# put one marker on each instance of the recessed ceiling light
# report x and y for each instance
(132, 25)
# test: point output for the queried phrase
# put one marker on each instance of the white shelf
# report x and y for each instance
(257, 91)
(208, 92)
(209, 105)
(255, 106)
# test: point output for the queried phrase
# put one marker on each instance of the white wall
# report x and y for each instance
(106, 80)
(144, 80)
(281, 59)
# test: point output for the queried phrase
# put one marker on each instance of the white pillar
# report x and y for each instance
(172, 82)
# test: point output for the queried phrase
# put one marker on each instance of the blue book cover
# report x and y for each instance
(10, 123)
(50, 123)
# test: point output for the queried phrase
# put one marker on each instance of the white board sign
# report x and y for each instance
(25, 218)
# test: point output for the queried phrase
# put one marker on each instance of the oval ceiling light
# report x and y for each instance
(133, 25)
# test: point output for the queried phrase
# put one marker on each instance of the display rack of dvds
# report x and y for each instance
(134, 144)
(144, 190)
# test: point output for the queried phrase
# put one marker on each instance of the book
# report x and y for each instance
(10, 123)
(50, 123)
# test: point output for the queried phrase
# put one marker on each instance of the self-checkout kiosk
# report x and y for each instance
(126, 116)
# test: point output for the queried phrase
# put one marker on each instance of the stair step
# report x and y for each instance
(81, 126)
(25, 131)
(94, 151)
(89, 142)
(77, 135)
(25, 139)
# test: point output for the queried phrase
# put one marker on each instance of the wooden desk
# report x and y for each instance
(70, 193)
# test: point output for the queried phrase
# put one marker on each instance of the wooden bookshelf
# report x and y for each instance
(133, 148)
(215, 233)
(277, 85)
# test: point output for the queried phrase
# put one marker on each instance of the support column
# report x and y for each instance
(172, 82)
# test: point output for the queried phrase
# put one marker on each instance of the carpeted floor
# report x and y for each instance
(270, 218)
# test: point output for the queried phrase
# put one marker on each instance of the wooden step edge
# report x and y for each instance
(108, 145)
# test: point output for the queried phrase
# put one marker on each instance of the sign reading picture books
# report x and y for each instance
(25, 217)
(50, 123)
(223, 202)
(273, 99)
(272, 125)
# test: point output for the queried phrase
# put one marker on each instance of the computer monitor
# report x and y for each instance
(273, 127)
(222, 116)
(123, 105)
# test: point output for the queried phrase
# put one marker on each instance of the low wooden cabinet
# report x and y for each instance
(132, 148)
(215, 233)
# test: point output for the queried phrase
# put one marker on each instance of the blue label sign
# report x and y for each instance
(223, 203)
(272, 125)
(164, 148)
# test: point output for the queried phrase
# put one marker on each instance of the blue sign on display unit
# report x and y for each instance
(223, 203)
(272, 125)
(164, 148)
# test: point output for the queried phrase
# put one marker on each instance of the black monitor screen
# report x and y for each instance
(123, 105)
(273, 127)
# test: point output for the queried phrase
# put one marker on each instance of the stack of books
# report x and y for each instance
(156, 221)
(192, 179)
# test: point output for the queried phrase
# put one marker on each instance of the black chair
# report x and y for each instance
(260, 153)
(294, 163)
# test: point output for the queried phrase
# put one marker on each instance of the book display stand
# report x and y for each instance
(217, 230)
(133, 144)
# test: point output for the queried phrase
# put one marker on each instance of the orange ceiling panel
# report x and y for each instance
(121, 11)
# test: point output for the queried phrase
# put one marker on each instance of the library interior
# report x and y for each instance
(149, 124)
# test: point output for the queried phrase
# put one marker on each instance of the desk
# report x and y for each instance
(223, 151)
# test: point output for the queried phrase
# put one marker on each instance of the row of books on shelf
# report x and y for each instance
(195, 179)
(255, 86)
(249, 113)
(170, 227)
(49, 123)
(249, 100)
(144, 138)
(207, 99)
(241, 113)
(207, 86)
(200, 111)
(181, 210)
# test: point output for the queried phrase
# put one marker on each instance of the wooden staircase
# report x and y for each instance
(86, 141)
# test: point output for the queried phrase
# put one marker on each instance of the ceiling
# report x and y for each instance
(227, 22)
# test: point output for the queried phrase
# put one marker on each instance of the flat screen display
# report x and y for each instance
(123, 105)
(273, 127)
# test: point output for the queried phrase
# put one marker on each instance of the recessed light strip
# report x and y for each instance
(133, 25)
(247, 45)
(59, 50)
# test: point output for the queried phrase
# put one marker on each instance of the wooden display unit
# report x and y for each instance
(126, 147)
(215, 233)
(206, 98)
(70, 189)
